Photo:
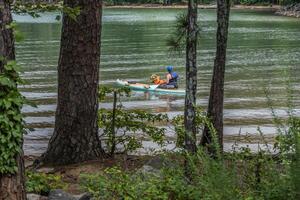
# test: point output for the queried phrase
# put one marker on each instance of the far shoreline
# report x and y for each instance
(273, 8)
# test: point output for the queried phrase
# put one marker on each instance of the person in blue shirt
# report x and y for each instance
(171, 79)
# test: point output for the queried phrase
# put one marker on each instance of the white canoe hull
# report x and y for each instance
(150, 88)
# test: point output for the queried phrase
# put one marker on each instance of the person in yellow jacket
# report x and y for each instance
(156, 80)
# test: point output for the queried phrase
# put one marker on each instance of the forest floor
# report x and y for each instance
(70, 174)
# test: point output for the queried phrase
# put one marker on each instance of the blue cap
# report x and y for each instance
(170, 68)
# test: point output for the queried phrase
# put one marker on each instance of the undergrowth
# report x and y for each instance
(42, 183)
(272, 172)
(241, 174)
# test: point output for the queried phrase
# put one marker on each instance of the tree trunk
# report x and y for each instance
(12, 186)
(113, 129)
(216, 99)
(191, 78)
(75, 138)
(7, 48)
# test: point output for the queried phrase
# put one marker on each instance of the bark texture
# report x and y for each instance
(75, 138)
(12, 186)
(7, 48)
(216, 99)
(191, 78)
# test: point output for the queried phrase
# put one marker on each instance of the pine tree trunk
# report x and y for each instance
(7, 48)
(191, 78)
(216, 99)
(12, 186)
(75, 137)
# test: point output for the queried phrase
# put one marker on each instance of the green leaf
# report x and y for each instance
(4, 81)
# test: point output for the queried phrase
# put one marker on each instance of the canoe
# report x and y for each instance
(149, 88)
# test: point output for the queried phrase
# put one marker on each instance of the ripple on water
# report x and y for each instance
(262, 49)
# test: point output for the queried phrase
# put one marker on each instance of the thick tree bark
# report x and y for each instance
(75, 137)
(12, 186)
(191, 78)
(7, 48)
(216, 99)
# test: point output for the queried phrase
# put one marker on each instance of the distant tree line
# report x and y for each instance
(170, 2)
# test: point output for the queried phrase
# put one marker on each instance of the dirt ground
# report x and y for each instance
(70, 173)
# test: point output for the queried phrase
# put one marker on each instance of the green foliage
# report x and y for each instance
(17, 34)
(128, 2)
(286, 142)
(35, 9)
(284, 176)
(41, 183)
(241, 175)
(211, 180)
(105, 91)
(176, 41)
(252, 2)
(11, 118)
(201, 121)
(262, 175)
(115, 184)
(121, 127)
(288, 132)
(295, 169)
(243, 2)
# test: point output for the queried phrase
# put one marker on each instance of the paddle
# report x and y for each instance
(153, 87)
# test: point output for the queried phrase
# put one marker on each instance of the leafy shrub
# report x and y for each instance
(11, 118)
(116, 184)
(41, 183)
(211, 180)
(121, 127)
(241, 174)
(236, 178)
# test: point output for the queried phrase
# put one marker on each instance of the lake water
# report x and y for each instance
(263, 52)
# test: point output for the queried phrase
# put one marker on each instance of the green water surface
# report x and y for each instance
(263, 53)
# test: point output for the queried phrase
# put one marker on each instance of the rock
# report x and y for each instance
(45, 170)
(31, 196)
(156, 162)
(84, 196)
(153, 166)
(146, 169)
(292, 10)
(60, 195)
